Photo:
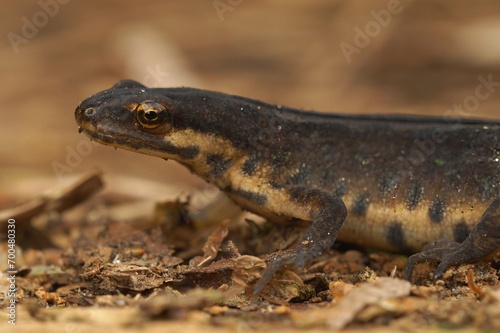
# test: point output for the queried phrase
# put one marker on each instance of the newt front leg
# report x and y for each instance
(327, 213)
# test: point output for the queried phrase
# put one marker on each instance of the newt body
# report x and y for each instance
(387, 182)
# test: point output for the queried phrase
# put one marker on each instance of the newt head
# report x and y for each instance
(184, 124)
(133, 117)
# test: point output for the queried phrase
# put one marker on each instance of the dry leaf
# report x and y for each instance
(370, 293)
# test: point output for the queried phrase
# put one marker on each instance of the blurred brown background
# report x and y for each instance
(362, 56)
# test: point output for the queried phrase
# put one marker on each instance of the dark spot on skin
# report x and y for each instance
(218, 164)
(275, 185)
(250, 165)
(436, 211)
(303, 194)
(360, 205)
(258, 199)
(326, 150)
(487, 188)
(187, 153)
(297, 193)
(460, 232)
(312, 196)
(339, 190)
(363, 159)
(388, 183)
(302, 176)
(326, 176)
(414, 195)
(396, 237)
(279, 158)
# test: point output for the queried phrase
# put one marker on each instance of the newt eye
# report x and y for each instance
(151, 114)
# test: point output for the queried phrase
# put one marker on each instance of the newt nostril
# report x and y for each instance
(89, 112)
(83, 115)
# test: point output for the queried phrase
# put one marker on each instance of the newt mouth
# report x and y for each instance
(117, 141)
(105, 139)
(163, 149)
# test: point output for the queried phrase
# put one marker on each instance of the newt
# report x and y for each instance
(390, 182)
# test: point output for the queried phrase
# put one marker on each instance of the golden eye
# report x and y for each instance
(151, 114)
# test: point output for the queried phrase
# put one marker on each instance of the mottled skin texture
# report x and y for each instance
(389, 182)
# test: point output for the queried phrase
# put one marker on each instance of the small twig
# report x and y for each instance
(57, 200)
(472, 285)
